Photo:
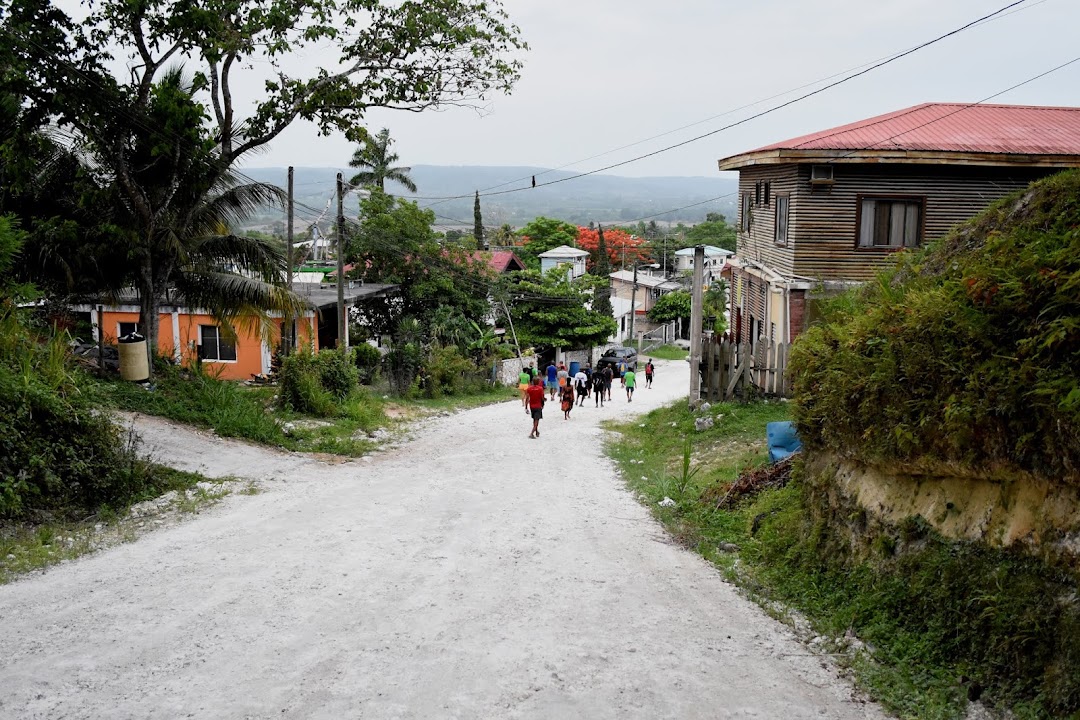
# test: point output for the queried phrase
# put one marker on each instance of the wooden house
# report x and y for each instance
(825, 210)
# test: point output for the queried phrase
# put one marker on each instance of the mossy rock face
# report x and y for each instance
(966, 352)
(1003, 618)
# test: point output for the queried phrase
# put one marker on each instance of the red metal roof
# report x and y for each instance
(953, 127)
(500, 260)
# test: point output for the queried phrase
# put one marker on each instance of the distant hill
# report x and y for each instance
(600, 198)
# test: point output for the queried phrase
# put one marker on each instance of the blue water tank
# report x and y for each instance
(574, 367)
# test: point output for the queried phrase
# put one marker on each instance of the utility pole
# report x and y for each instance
(696, 308)
(289, 327)
(633, 303)
(343, 321)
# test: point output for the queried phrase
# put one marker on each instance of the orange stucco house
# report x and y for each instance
(185, 334)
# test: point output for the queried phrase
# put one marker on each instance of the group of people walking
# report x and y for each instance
(574, 390)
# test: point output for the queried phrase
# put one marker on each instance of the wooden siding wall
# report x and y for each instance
(760, 244)
(822, 220)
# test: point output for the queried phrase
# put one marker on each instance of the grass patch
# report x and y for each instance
(454, 403)
(28, 546)
(232, 409)
(666, 352)
(940, 620)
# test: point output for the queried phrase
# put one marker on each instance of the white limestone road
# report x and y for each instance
(471, 573)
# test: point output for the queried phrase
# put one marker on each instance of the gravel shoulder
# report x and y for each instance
(470, 573)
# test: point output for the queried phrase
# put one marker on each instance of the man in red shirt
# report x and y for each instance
(536, 397)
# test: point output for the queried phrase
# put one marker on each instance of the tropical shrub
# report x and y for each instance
(367, 359)
(967, 351)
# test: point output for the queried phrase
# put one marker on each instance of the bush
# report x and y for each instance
(403, 363)
(367, 359)
(966, 351)
(57, 454)
(448, 372)
(316, 383)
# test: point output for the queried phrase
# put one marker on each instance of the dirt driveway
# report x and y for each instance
(472, 573)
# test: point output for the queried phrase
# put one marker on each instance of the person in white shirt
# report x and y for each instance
(581, 386)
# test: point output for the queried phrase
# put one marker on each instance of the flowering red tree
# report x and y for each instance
(621, 246)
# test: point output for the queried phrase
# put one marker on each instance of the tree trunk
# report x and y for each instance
(148, 311)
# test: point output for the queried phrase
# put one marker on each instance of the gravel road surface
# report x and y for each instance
(470, 573)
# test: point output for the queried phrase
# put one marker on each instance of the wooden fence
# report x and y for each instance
(738, 370)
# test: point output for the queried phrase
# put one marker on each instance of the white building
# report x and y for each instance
(714, 262)
(573, 258)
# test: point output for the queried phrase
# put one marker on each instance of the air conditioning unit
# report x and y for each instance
(821, 174)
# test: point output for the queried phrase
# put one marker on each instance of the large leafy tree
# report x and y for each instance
(673, 306)
(376, 163)
(551, 311)
(442, 287)
(714, 231)
(601, 269)
(407, 55)
(623, 249)
(541, 235)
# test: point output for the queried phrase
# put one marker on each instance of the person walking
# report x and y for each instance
(564, 378)
(524, 380)
(629, 380)
(609, 378)
(650, 370)
(622, 372)
(537, 399)
(598, 387)
(552, 375)
(588, 378)
(566, 396)
(581, 386)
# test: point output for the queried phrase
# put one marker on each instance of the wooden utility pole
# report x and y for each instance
(343, 321)
(696, 308)
(288, 328)
(633, 304)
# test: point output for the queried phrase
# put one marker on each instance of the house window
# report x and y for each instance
(768, 189)
(745, 216)
(890, 222)
(782, 203)
(213, 347)
(123, 329)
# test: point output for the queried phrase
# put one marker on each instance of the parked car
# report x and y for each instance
(616, 355)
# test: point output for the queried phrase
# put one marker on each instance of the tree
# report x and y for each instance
(602, 269)
(504, 235)
(714, 232)
(551, 311)
(541, 235)
(401, 55)
(442, 286)
(376, 162)
(671, 307)
(478, 223)
(623, 249)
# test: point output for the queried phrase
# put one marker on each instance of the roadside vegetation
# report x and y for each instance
(666, 352)
(923, 623)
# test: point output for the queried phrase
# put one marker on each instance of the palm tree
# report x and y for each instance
(375, 160)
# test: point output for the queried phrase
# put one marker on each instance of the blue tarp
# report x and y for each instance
(783, 440)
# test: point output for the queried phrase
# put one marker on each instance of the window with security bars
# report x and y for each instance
(890, 222)
(745, 216)
(212, 346)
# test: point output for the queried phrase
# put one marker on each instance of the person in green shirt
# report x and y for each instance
(523, 385)
(629, 379)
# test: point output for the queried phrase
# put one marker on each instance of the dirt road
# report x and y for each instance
(472, 573)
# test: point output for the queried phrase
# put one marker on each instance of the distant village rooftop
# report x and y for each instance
(956, 133)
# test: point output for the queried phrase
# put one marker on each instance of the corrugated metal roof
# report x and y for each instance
(954, 127)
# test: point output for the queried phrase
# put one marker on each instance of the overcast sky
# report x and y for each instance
(601, 74)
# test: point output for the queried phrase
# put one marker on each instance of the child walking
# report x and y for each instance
(567, 397)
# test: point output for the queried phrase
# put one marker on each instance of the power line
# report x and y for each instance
(990, 18)
(755, 116)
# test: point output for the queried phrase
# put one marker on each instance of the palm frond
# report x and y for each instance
(239, 301)
(250, 255)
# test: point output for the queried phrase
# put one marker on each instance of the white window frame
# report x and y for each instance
(119, 328)
(906, 216)
(217, 343)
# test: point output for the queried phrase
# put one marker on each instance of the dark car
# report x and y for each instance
(617, 355)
